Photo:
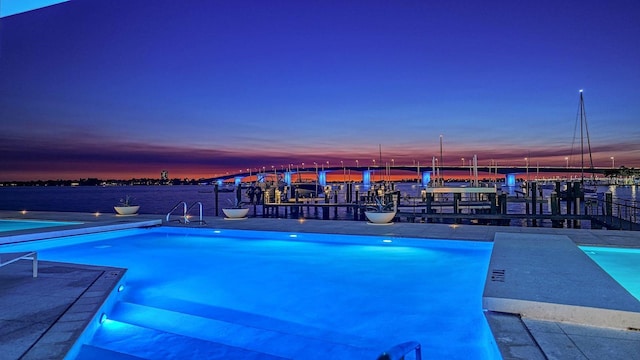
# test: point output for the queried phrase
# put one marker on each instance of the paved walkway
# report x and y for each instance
(46, 314)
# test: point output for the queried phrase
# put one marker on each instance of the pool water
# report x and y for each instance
(623, 264)
(303, 296)
(13, 225)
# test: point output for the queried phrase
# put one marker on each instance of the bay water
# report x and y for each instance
(160, 200)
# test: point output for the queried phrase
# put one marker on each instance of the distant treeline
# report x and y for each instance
(622, 171)
(100, 182)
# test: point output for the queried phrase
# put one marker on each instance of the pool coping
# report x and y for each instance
(536, 277)
(518, 335)
(45, 331)
(86, 224)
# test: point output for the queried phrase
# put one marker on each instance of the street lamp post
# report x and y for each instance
(613, 162)
(317, 179)
(374, 165)
(441, 173)
(437, 174)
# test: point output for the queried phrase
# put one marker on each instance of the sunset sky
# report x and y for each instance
(127, 88)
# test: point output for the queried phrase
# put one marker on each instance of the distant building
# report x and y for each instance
(164, 175)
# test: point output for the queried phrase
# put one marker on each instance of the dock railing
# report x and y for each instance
(613, 214)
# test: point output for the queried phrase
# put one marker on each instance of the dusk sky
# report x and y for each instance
(127, 88)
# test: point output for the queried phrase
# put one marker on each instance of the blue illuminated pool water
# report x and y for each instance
(623, 264)
(13, 225)
(317, 294)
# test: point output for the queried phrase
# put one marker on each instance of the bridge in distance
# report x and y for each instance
(503, 170)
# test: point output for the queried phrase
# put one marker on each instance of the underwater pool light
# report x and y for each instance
(217, 231)
(120, 288)
(387, 241)
(103, 317)
(293, 235)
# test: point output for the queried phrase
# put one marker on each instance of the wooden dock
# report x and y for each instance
(454, 205)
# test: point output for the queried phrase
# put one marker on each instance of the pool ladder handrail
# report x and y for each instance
(200, 220)
(399, 351)
(185, 212)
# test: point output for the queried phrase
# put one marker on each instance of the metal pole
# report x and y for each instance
(441, 161)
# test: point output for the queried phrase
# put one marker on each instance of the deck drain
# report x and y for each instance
(497, 275)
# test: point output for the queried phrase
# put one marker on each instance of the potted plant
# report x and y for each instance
(380, 212)
(126, 207)
(236, 210)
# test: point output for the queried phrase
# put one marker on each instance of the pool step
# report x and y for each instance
(254, 320)
(90, 352)
(277, 342)
(145, 343)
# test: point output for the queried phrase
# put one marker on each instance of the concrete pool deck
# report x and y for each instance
(545, 298)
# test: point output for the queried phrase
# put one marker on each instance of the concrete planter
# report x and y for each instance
(376, 217)
(127, 210)
(236, 213)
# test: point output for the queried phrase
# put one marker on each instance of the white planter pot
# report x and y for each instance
(127, 210)
(380, 217)
(235, 213)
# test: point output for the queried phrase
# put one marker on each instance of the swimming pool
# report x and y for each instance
(13, 225)
(194, 292)
(623, 264)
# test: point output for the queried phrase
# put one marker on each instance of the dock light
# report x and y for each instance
(454, 226)
(97, 213)
(387, 241)
(301, 220)
(103, 317)
(23, 212)
(120, 288)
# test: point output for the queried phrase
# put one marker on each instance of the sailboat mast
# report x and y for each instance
(581, 138)
(584, 129)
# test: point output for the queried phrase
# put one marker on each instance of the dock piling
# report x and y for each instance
(534, 199)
